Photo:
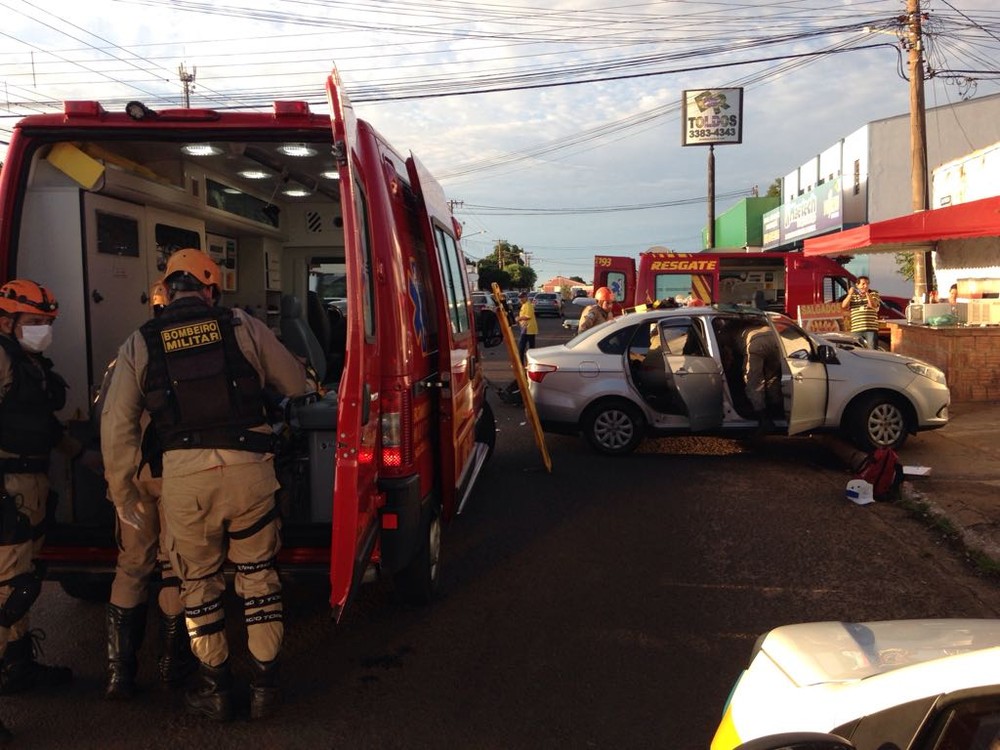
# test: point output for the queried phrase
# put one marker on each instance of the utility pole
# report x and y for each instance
(711, 196)
(918, 140)
(188, 80)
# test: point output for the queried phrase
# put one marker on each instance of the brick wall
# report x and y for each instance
(970, 357)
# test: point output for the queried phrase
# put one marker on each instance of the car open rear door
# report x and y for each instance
(461, 457)
(355, 510)
(696, 374)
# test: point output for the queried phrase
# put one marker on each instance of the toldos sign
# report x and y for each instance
(711, 116)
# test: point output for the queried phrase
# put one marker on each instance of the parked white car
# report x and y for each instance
(917, 684)
(609, 385)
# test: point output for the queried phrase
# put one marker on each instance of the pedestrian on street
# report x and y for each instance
(200, 370)
(141, 536)
(30, 395)
(599, 312)
(864, 304)
(529, 325)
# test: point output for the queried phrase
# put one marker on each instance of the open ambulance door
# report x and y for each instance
(355, 512)
(461, 457)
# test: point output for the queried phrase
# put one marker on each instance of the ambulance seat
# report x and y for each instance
(298, 336)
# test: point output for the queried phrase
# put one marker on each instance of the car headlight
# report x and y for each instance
(927, 371)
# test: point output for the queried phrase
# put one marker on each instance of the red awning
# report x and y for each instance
(914, 231)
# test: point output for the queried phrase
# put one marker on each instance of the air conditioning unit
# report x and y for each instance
(984, 312)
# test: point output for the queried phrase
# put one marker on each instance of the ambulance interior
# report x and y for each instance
(100, 218)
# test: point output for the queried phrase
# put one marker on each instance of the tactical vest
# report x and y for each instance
(28, 425)
(201, 392)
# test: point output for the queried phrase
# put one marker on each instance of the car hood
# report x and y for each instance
(876, 355)
(832, 652)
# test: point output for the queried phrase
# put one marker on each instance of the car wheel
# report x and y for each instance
(417, 583)
(878, 421)
(87, 588)
(614, 427)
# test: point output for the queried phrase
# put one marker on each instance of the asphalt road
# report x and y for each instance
(608, 604)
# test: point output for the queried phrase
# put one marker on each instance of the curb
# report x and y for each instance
(977, 539)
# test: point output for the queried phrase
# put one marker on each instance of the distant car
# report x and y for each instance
(609, 385)
(548, 303)
(918, 684)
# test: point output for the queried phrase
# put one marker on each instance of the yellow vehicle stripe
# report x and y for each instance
(726, 737)
(702, 287)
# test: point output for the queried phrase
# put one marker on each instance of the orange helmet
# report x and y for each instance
(196, 265)
(604, 295)
(158, 294)
(26, 296)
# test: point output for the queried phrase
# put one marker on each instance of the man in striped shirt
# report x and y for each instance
(864, 304)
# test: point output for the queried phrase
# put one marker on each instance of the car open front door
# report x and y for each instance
(461, 457)
(355, 512)
(803, 379)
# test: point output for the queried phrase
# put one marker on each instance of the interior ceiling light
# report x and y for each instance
(201, 149)
(331, 175)
(296, 149)
(254, 174)
(295, 192)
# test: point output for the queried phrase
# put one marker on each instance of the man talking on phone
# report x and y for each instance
(864, 304)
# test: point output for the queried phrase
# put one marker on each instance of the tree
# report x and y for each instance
(774, 189)
(904, 264)
(505, 265)
(521, 277)
(577, 278)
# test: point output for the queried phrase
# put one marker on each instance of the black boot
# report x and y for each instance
(5, 736)
(212, 695)
(176, 660)
(265, 696)
(126, 629)
(19, 671)
(765, 425)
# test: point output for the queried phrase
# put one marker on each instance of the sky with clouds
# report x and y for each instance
(554, 124)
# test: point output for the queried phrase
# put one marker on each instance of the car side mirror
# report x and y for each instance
(827, 354)
(798, 741)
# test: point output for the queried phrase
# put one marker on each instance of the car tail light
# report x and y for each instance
(397, 429)
(537, 372)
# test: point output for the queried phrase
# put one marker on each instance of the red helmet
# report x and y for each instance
(26, 296)
(196, 265)
(604, 295)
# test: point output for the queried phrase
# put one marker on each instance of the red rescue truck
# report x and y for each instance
(775, 281)
(344, 246)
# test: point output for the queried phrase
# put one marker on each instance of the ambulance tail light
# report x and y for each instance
(397, 430)
(537, 372)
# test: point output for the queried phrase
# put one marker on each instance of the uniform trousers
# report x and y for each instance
(226, 511)
(763, 372)
(141, 551)
(30, 493)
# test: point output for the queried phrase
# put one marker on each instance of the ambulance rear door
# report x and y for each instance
(355, 513)
(457, 350)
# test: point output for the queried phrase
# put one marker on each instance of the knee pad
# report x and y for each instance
(25, 590)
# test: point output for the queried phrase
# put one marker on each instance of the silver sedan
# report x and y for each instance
(686, 371)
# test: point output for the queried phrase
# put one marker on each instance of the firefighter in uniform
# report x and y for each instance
(30, 394)
(600, 312)
(200, 370)
(141, 549)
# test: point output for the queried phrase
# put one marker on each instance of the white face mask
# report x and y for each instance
(35, 338)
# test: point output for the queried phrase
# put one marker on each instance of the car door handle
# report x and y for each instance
(798, 377)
